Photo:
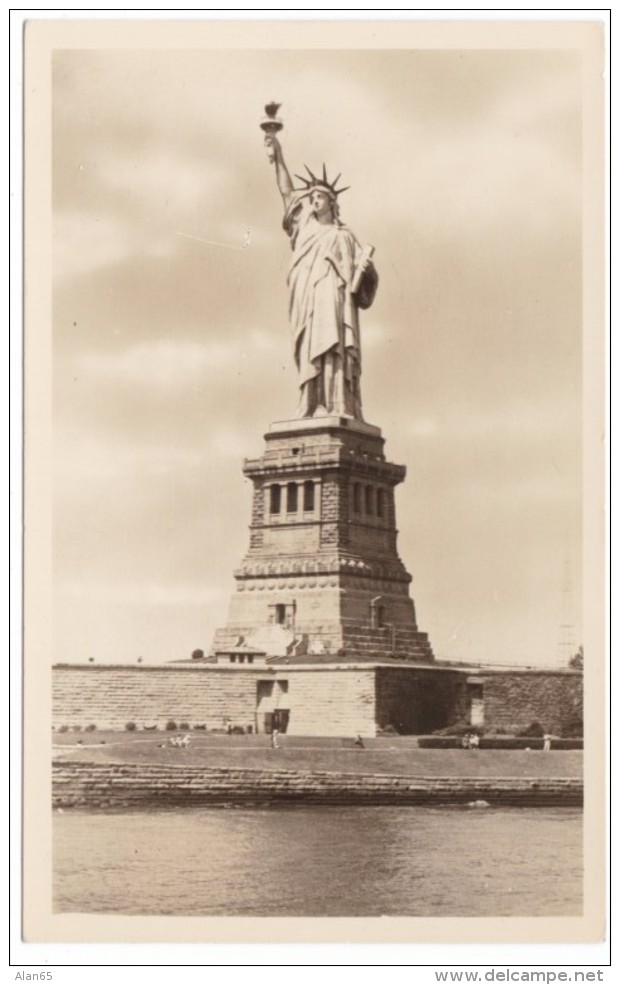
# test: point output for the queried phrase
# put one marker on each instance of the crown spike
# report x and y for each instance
(313, 181)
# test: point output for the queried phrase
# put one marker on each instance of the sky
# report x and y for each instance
(171, 349)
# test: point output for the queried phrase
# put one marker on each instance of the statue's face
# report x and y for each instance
(321, 204)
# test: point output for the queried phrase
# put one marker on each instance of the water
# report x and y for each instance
(316, 861)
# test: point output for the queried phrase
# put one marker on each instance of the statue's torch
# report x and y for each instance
(270, 125)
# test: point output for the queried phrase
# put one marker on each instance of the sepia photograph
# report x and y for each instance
(313, 566)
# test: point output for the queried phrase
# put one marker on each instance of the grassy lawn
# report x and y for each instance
(393, 756)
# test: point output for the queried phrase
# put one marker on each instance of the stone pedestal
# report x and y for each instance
(322, 569)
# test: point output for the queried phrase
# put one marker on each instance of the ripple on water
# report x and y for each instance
(316, 861)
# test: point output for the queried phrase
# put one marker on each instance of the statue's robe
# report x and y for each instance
(323, 312)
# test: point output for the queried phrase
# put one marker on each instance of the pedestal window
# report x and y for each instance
(275, 499)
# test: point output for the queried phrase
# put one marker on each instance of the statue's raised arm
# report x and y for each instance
(283, 177)
(331, 277)
(271, 125)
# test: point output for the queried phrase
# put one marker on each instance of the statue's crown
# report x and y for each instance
(323, 183)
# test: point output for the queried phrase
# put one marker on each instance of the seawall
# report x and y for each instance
(124, 786)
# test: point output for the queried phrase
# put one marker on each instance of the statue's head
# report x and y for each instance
(323, 191)
(322, 203)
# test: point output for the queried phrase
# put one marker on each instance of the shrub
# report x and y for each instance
(198, 654)
(459, 729)
(200, 728)
(511, 742)
(522, 742)
(90, 728)
(496, 742)
(130, 727)
(534, 730)
(576, 661)
(63, 728)
(184, 727)
(567, 743)
(439, 742)
(572, 728)
(150, 728)
(171, 726)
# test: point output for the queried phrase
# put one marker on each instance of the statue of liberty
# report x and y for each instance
(330, 278)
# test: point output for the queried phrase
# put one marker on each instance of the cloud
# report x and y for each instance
(161, 363)
(424, 427)
(84, 241)
(86, 457)
(144, 592)
(163, 175)
(515, 420)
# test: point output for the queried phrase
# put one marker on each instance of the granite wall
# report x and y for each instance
(91, 786)
(320, 701)
(325, 700)
(515, 699)
(110, 697)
